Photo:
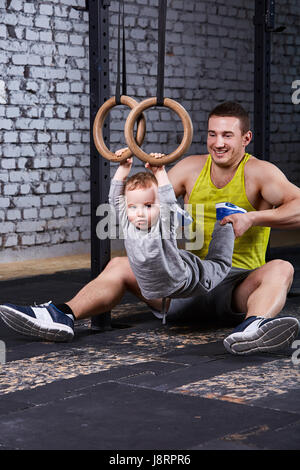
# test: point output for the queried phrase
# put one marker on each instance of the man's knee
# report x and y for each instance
(118, 263)
(282, 270)
(272, 273)
(120, 270)
(116, 268)
(275, 270)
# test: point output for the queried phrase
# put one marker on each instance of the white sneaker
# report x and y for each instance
(257, 334)
(41, 321)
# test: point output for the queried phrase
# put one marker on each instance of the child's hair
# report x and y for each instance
(143, 180)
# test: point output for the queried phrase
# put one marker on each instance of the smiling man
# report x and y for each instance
(253, 293)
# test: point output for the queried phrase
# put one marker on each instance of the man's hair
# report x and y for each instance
(232, 109)
(143, 180)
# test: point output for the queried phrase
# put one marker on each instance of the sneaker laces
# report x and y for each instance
(43, 305)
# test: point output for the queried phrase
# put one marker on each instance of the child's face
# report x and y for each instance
(143, 206)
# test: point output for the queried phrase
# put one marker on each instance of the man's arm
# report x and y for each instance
(284, 196)
(279, 192)
(176, 177)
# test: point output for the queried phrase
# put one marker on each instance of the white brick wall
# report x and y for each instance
(44, 101)
(43, 118)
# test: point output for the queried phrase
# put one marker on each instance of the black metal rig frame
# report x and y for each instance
(99, 167)
(264, 21)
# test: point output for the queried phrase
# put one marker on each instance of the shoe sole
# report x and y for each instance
(32, 327)
(272, 336)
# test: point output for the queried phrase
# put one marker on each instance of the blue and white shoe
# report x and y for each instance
(257, 334)
(41, 321)
(184, 218)
(226, 208)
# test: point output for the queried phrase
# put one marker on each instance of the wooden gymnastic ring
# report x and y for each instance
(98, 126)
(187, 128)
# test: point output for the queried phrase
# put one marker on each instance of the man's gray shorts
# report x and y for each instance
(217, 304)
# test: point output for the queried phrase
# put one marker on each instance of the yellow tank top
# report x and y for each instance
(250, 249)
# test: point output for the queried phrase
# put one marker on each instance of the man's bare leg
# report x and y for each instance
(105, 292)
(262, 295)
(56, 322)
(264, 291)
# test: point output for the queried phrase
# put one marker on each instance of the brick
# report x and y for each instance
(25, 189)
(16, 5)
(11, 150)
(29, 8)
(61, 37)
(47, 37)
(28, 240)
(3, 31)
(70, 186)
(10, 189)
(42, 22)
(40, 188)
(43, 137)
(30, 213)
(27, 201)
(46, 212)
(6, 227)
(8, 163)
(6, 124)
(27, 137)
(46, 9)
(60, 124)
(72, 236)
(10, 240)
(42, 238)
(41, 162)
(10, 137)
(59, 212)
(3, 58)
(12, 111)
(30, 226)
(55, 187)
(62, 87)
(13, 214)
(4, 202)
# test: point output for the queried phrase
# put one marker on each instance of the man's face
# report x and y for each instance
(225, 141)
(143, 206)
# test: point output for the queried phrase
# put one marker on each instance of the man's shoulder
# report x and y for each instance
(257, 168)
(184, 174)
(194, 162)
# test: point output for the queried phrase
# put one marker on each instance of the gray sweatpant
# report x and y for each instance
(204, 275)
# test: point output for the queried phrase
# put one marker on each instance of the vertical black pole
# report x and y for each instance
(262, 66)
(99, 167)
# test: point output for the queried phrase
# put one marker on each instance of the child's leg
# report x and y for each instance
(201, 276)
(218, 261)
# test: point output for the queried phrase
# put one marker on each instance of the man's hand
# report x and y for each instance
(241, 222)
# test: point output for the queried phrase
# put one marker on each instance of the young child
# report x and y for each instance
(147, 209)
